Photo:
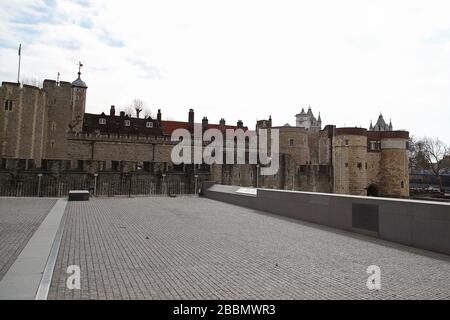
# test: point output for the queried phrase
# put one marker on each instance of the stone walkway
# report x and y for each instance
(194, 248)
(19, 219)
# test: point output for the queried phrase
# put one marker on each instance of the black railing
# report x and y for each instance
(100, 186)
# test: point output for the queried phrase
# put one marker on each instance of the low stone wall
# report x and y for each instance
(420, 224)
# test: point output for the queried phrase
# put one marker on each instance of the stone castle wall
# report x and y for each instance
(43, 132)
(22, 130)
(59, 106)
(394, 172)
(350, 158)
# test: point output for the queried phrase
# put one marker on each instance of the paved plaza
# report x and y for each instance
(19, 219)
(196, 248)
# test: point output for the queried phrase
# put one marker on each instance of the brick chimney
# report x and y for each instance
(158, 116)
(191, 116)
(205, 123)
(112, 111)
(222, 124)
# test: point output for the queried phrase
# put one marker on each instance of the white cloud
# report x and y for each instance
(245, 59)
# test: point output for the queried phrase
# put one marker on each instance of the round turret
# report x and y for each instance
(394, 163)
(349, 161)
(79, 83)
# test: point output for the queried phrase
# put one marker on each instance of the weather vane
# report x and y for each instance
(80, 65)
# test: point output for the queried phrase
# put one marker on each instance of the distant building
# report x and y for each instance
(308, 121)
(381, 125)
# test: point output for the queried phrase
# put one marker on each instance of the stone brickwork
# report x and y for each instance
(394, 173)
(350, 158)
(60, 112)
(22, 127)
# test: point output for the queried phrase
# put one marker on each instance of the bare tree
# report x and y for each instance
(433, 155)
(138, 105)
(129, 110)
(417, 161)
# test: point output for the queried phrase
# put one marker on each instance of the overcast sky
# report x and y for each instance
(246, 60)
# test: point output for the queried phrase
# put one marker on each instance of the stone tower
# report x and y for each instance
(22, 123)
(66, 103)
(394, 162)
(308, 121)
(78, 107)
(381, 125)
(349, 161)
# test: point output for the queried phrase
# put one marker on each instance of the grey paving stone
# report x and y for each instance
(19, 219)
(194, 248)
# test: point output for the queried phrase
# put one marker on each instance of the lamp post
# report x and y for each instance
(257, 175)
(39, 184)
(196, 185)
(95, 184)
(163, 185)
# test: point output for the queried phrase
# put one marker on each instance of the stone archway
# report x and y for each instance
(372, 190)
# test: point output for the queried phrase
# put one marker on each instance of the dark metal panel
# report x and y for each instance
(365, 216)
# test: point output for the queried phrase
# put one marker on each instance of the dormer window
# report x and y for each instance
(102, 121)
(8, 105)
(149, 124)
(127, 123)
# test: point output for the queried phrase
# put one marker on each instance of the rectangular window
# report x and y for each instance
(149, 124)
(102, 121)
(291, 142)
(22, 164)
(8, 105)
(115, 165)
(80, 165)
(127, 123)
(44, 164)
(147, 166)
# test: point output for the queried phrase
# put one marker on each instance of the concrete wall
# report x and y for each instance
(420, 224)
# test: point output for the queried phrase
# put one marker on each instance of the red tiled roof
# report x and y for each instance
(171, 126)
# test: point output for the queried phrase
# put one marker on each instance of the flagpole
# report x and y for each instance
(20, 56)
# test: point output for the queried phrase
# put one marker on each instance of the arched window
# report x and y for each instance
(403, 184)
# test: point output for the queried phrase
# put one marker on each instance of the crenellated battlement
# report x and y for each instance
(19, 86)
(53, 84)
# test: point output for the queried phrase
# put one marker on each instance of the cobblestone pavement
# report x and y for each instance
(194, 248)
(19, 219)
